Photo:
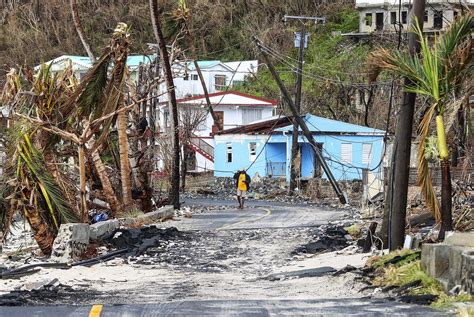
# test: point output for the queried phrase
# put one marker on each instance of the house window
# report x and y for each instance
(438, 20)
(194, 77)
(404, 17)
(82, 75)
(366, 153)
(250, 115)
(393, 17)
(220, 82)
(186, 76)
(166, 119)
(253, 151)
(425, 16)
(379, 21)
(368, 19)
(220, 117)
(229, 152)
(346, 153)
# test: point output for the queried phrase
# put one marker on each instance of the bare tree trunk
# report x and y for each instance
(80, 30)
(109, 193)
(446, 187)
(82, 183)
(174, 177)
(124, 161)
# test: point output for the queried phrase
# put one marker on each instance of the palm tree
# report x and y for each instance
(436, 74)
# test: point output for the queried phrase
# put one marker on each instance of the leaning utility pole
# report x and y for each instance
(299, 82)
(294, 140)
(402, 144)
(165, 61)
(301, 122)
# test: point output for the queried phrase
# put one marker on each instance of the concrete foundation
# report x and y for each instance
(71, 242)
(451, 262)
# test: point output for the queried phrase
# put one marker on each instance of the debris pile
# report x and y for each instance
(326, 239)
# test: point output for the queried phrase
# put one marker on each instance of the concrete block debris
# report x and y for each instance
(71, 242)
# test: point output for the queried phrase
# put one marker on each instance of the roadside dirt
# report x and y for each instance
(233, 264)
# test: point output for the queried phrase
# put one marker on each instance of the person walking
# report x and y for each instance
(242, 183)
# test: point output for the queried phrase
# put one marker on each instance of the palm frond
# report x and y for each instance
(90, 93)
(424, 174)
(58, 207)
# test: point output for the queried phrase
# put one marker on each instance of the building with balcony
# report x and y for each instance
(389, 15)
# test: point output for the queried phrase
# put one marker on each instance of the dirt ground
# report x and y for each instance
(206, 264)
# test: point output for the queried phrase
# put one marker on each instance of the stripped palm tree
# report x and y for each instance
(34, 186)
(54, 113)
(102, 92)
(436, 75)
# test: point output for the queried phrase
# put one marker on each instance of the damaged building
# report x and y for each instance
(352, 152)
(390, 15)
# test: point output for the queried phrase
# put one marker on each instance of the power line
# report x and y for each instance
(316, 76)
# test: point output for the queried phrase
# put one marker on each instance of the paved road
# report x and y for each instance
(257, 215)
(335, 307)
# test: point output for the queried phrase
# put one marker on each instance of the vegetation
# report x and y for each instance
(438, 75)
(54, 114)
(409, 271)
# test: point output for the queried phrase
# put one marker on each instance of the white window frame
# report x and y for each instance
(346, 153)
(252, 151)
(366, 153)
(229, 152)
(220, 86)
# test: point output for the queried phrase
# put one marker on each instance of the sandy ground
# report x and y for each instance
(227, 264)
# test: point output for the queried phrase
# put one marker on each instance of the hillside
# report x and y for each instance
(32, 31)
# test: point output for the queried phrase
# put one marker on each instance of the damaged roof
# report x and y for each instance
(315, 124)
(259, 127)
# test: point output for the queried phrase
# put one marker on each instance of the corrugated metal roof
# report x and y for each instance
(203, 64)
(260, 127)
(315, 124)
(320, 124)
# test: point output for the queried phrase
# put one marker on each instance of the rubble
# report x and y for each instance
(327, 238)
(71, 242)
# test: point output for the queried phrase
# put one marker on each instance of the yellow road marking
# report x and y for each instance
(96, 310)
(268, 213)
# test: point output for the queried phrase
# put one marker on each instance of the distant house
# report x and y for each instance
(81, 64)
(385, 15)
(264, 147)
(218, 76)
(233, 109)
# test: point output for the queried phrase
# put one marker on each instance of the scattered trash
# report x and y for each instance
(103, 216)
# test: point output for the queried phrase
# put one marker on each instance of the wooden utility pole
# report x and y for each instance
(402, 144)
(299, 82)
(165, 61)
(295, 148)
(301, 123)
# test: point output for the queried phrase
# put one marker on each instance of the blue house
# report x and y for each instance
(264, 147)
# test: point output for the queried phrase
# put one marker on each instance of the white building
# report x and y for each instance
(231, 107)
(217, 76)
(384, 15)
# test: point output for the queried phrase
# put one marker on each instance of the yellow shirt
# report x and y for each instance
(241, 184)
